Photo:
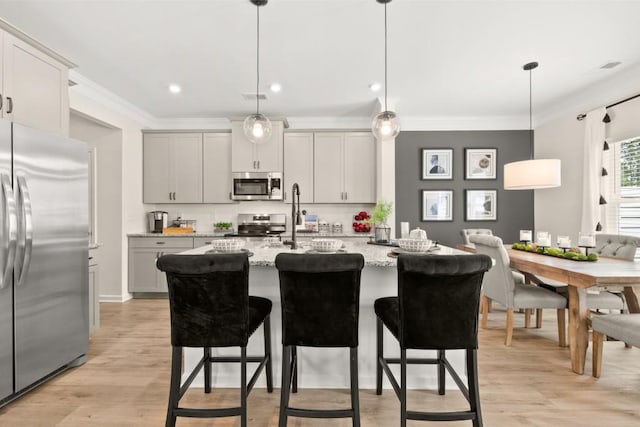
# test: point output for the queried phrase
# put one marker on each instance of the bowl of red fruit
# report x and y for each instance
(360, 224)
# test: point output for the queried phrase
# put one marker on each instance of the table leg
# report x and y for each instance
(578, 328)
(632, 299)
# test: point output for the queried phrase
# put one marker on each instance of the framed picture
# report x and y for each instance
(480, 205)
(437, 163)
(437, 205)
(480, 163)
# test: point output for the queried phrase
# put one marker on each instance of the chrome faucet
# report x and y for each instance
(296, 219)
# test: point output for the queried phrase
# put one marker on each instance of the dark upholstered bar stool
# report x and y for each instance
(436, 309)
(320, 296)
(211, 307)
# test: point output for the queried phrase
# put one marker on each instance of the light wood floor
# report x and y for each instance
(125, 381)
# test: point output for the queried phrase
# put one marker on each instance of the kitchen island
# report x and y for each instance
(317, 367)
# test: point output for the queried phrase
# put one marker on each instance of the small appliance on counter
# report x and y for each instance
(157, 221)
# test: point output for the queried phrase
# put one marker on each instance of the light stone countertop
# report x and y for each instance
(285, 236)
(374, 255)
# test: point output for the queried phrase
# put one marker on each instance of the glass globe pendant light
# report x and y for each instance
(385, 124)
(257, 127)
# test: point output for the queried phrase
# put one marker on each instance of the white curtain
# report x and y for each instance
(594, 137)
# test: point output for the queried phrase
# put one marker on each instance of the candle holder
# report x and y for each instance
(586, 249)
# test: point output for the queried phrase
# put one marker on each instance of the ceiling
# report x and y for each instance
(448, 58)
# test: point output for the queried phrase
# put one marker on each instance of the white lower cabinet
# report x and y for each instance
(144, 277)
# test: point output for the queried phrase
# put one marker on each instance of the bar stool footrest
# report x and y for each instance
(319, 413)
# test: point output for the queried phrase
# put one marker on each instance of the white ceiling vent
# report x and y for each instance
(610, 65)
(252, 96)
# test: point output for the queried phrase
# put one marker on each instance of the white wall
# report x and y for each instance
(558, 210)
(108, 144)
(132, 212)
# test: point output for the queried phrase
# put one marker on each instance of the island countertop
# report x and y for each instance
(374, 255)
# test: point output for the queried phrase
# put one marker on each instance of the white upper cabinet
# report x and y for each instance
(344, 167)
(298, 165)
(35, 86)
(172, 168)
(360, 167)
(249, 157)
(216, 155)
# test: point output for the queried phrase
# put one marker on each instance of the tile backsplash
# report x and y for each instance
(207, 215)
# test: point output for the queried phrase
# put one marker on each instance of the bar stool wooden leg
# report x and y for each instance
(379, 340)
(207, 370)
(441, 372)
(474, 392)
(174, 387)
(403, 388)
(267, 353)
(286, 385)
(243, 386)
(355, 400)
(527, 318)
(294, 364)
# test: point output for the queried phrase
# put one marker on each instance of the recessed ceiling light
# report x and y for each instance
(275, 87)
(173, 88)
(375, 87)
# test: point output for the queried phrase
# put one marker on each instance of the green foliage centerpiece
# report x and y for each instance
(379, 217)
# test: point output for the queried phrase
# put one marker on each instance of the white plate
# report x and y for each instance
(213, 251)
(313, 251)
(404, 251)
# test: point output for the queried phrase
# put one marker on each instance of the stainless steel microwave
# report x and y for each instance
(256, 186)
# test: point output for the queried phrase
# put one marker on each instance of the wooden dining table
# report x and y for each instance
(580, 276)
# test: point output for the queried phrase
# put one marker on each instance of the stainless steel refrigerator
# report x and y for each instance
(43, 256)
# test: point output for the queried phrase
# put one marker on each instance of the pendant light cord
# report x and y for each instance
(257, 59)
(385, 57)
(530, 112)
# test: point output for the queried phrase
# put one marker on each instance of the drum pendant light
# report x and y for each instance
(385, 124)
(536, 173)
(257, 127)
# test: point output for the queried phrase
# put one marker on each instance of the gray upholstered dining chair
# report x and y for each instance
(499, 285)
(467, 232)
(617, 246)
(623, 327)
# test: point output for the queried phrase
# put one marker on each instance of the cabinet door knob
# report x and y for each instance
(346, 195)
(1, 101)
(9, 105)
(258, 164)
(160, 243)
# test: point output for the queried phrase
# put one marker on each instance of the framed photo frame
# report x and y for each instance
(481, 205)
(437, 163)
(480, 163)
(437, 205)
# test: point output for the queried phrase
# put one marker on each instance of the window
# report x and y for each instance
(622, 215)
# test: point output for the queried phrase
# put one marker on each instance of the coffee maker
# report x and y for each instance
(157, 221)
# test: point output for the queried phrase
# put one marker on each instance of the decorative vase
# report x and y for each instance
(382, 234)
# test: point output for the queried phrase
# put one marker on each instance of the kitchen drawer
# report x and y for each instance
(161, 242)
(202, 241)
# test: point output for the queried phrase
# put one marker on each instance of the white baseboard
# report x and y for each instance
(115, 298)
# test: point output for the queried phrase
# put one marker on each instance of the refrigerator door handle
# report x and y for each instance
(11, 229)
(23, 191)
